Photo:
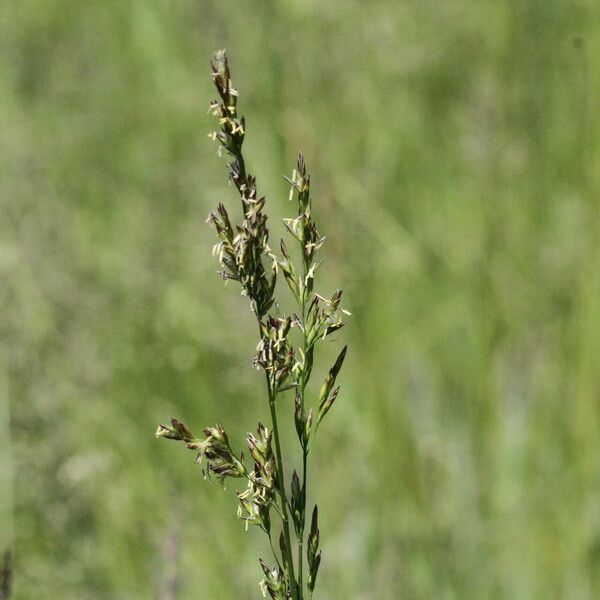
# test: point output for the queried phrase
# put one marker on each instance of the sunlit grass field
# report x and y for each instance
(455, 156)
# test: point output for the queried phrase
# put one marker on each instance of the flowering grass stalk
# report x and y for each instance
(285, 352)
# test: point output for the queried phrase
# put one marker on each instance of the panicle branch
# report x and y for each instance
(241, 250)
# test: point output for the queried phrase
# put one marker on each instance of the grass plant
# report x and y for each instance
(285, 352)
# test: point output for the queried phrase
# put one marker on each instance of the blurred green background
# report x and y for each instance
(455, 154)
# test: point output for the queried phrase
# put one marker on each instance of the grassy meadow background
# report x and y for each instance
(455, 156)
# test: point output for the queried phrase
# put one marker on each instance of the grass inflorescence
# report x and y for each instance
(285, 352)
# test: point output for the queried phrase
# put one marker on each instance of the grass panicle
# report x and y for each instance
(285, 352)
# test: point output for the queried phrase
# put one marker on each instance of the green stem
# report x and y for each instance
(273, 549)
(280, 476)
(300, 545)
